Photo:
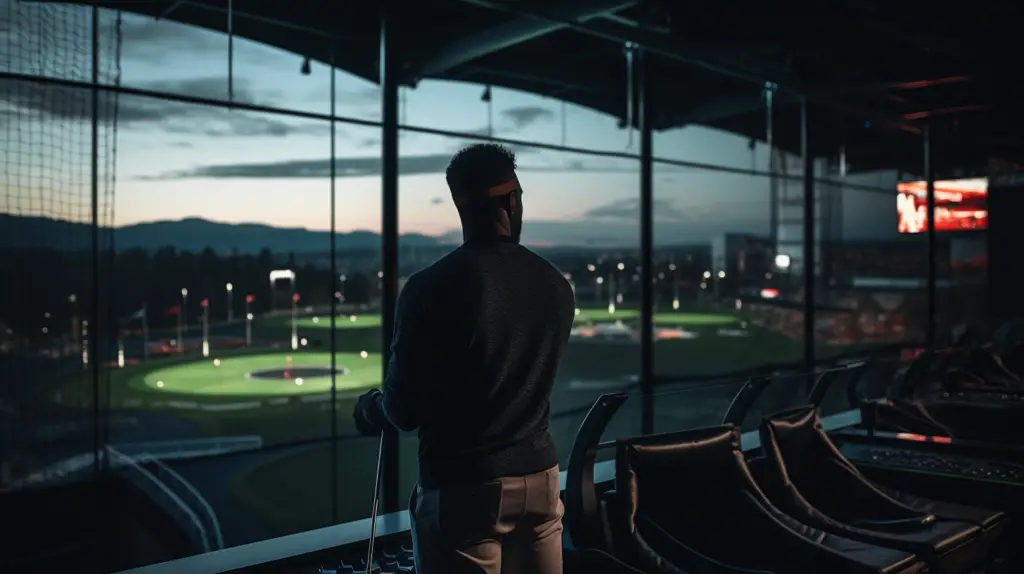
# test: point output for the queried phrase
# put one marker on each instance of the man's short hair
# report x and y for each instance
(476, 168)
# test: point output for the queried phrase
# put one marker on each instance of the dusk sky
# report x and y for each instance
(176, 160)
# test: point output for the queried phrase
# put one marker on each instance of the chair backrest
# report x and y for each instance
(681, 470)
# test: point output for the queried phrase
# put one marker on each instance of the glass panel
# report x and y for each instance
(54, 356)
(512, 114)
(582, 214)
(722, 306)
(54, 41)
(165, 55)
(224, 293)
(684, 406)
(872, 262)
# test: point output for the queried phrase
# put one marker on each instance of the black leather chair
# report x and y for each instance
(902, 415)
(686, 502)
(807, 477)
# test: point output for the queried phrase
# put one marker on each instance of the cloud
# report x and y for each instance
(29, 100)
(356, 167)
(437, 201)
(167, 41)
(628, 210)
(315, 168)
(524, 116)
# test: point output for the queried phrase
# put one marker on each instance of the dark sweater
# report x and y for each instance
(478, 339)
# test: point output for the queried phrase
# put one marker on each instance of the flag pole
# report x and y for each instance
(206, 327)
(248, 321)
(181, 332)
(145, 333)
(295, 321)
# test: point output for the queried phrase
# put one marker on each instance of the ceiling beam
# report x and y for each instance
(953, 110)
(523, 29)
(705, 57)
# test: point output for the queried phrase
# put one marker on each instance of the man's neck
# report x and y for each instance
(487, 237)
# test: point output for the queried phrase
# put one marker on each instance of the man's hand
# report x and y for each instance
(368, 415)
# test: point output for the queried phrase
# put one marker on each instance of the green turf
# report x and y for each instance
(342, 322)
(602, 315)
(228, 376)
(673, 318)
(694, 319)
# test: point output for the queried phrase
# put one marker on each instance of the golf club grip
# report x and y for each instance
(376, 503)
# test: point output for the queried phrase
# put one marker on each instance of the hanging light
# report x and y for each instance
(306, 69)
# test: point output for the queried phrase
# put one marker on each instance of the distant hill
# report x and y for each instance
(192, 234)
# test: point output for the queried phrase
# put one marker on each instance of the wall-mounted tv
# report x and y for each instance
(960, 204)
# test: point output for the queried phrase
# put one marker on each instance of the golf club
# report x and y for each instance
(376, 502)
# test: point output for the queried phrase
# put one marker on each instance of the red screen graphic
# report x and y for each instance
(960, 204)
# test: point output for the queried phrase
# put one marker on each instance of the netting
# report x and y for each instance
(47, 170)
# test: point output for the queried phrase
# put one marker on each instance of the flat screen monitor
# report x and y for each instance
(960, 204)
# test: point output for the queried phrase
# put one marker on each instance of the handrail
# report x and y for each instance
(161, 487)
(254, 555)
(218, 537)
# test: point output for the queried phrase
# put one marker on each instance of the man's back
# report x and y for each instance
(498, 318)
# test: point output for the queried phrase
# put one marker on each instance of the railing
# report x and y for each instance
(176, 449)
(285, 548)
(163, 495)
(170, 477)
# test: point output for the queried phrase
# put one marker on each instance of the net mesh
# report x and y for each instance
(46, 235)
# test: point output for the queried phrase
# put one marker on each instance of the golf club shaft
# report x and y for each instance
(376, 502)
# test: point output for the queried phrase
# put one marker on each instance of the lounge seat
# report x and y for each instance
(807, 477)
(686, 502)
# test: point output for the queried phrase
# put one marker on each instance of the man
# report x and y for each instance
(477, 342)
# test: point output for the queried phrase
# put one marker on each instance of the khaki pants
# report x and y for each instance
(511, 525)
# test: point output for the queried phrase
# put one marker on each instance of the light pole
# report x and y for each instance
(205, 304)
(75, 331)
(612, 288)
(248, 320)
(181, 320)
(675, 287)
(295, 321)
(231, 302)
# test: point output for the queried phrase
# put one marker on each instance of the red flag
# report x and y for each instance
(173, 310)
(295, 297)
(250, 298)
(204, 303)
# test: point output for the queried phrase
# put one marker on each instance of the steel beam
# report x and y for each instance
(390, 65)
(929, 176)
(704, 57)
(810, 237)
(481, 43)
(647, 108)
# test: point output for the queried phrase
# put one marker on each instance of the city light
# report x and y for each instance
(721, 274)
(229, 287)
(184, 292)
(782, 261)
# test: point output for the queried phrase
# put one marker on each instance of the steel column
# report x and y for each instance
(929, 176)
(809, 235)
(334, 306)
(644, 100)
(390, 68)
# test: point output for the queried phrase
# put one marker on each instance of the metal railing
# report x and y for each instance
(170, 477)
(188, 448)
(160, 493)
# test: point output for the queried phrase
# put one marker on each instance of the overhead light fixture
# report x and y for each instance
(306, 70)
(486, 96)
